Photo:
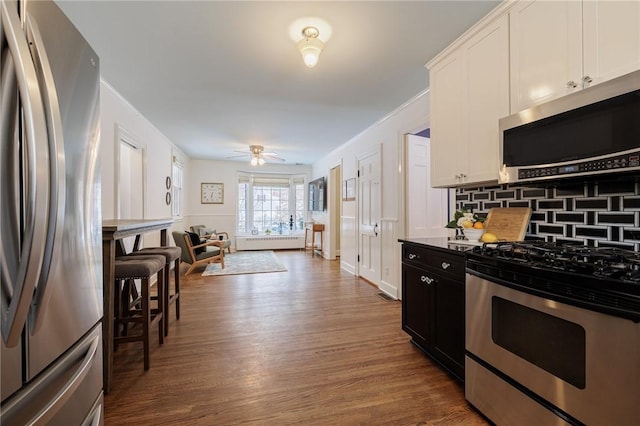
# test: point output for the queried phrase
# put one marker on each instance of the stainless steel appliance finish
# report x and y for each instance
(594, 131)
(553, 334)
(51, 258)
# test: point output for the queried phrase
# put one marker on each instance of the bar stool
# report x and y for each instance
(127, 269)
(171, 254)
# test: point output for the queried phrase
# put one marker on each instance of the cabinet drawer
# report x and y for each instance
(444, 263)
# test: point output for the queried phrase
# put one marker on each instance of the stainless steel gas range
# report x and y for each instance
(553, 334)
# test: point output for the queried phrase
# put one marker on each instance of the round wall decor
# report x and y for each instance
(167, 182)
(167, 197)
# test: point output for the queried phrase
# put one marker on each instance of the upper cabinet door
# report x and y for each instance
(546, 51)
(469, 94)
(611, 39)
(486, 99)
(447, 115)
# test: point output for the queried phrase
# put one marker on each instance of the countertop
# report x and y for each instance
(443, 243)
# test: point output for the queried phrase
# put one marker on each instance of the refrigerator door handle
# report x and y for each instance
(59, 384)
(15, 311)
(57, 180)
(65, 393)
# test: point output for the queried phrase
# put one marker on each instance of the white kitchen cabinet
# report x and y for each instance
(611, 38)
(448, 158)
(558, 47)
(469, 91)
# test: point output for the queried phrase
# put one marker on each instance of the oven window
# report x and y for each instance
(551, 343)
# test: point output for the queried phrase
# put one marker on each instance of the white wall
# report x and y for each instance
(222, 217)
(387, 136)
(117, 115)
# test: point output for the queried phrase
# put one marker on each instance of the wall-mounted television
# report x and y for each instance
(317, 195)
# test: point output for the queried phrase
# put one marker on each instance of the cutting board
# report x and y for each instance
(508, 223)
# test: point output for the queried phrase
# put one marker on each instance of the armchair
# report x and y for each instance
(208, 233)
(195, 253)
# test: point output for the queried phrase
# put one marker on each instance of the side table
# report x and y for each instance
(314, 228)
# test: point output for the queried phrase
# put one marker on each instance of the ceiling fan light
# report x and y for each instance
(310, 49)
(254, 161)
(260, 161)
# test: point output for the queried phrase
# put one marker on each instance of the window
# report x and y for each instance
(177, 188)
(273, 203)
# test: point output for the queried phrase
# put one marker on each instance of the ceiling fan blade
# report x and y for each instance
(236, 156)
(271, 156)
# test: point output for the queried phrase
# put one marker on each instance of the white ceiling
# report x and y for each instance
(217, 76)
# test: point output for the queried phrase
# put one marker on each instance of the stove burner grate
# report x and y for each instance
(603, 262)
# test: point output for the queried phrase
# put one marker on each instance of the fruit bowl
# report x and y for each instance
(473, 234)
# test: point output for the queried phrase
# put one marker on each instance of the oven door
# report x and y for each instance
(585, 363)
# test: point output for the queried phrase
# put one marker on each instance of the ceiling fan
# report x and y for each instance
(258, 156)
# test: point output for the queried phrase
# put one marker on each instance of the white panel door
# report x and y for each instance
(130, 186)
(369, 218)
(426, 207)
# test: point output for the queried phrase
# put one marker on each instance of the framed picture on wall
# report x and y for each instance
(211, 193)
(349, 190)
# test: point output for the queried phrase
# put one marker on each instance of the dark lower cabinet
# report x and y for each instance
(433, 303)
(417, 304)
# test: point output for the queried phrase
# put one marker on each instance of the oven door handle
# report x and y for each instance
(619, 312)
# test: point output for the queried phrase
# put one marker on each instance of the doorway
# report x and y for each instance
(426, 208)
(130, 185)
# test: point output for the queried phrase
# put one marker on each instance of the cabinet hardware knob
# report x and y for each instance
(426, 279)
(462, 176)
(571, 84)
(445, 265)
(412, 256)
(587, 79)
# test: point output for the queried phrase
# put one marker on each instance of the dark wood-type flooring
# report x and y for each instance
(313, 345)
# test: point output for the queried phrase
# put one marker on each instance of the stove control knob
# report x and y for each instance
(445, 265)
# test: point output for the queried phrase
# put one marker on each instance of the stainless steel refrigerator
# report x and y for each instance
(50, 216)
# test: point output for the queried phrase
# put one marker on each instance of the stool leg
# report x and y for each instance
(146, 320)
(160, 308)
(125, 305)
(117, 311)
(167, 297)
(176, 287)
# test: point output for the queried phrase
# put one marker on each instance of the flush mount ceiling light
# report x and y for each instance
(310, 46)
(310, 35)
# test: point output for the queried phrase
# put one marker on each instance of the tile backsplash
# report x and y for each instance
(595, 213)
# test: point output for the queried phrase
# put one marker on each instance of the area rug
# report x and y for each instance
(246, 262)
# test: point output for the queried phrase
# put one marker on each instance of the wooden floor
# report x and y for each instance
(313, 345)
